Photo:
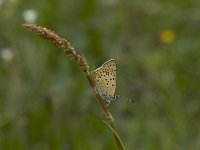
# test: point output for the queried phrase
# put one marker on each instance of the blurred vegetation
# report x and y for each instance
(46, 101)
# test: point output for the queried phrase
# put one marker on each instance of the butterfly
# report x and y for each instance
(105, 79)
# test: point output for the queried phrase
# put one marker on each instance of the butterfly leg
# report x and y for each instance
(106, 97)
(108, 103)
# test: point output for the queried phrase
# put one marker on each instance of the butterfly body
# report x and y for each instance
(108, 98)
(105, 79)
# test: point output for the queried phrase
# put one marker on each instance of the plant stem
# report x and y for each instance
(108, 114)
(68, 50)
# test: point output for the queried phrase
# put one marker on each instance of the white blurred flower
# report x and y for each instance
(30, 15)
(7, 54)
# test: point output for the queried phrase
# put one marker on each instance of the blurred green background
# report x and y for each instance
(46, 101)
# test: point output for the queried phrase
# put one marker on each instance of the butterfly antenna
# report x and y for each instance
(124, 98)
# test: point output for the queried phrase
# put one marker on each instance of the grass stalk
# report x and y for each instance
(65, 47)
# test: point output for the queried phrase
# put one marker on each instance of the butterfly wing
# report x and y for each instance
(105, 78)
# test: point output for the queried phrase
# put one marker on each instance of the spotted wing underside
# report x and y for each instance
(105, 78)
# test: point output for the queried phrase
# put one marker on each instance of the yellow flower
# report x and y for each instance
(167, 36)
